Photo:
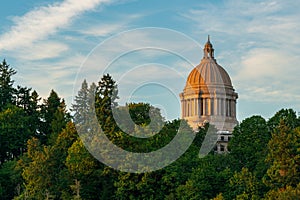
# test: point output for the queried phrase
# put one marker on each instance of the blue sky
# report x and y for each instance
(50, 42)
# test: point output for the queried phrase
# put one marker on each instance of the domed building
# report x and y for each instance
(209, 96)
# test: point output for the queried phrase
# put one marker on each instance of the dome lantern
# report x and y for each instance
(208, 49)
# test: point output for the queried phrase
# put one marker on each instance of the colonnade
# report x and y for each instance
(208, 107)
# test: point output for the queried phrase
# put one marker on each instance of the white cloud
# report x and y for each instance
(43, 21)
(104, 29)
(41, 50)
(261, 63)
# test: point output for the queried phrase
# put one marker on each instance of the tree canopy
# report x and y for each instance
(43, 157)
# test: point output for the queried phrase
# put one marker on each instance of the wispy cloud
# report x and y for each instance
(105, 29)
(41, 50)
(44, 21)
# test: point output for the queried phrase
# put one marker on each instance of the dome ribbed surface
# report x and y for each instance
(207, 73)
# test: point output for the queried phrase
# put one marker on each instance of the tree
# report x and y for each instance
(248, 144)
(208, 179)
(10, 180)
(44, 171)
(59, 122)
(29, 102)
(54, 117)
(283, 158)
(106, 95)
(14, 133)
(87, 174)
(34, 114)
(81, 106)
(6, 85)
(288, 193)
(244, 185)
(287, 115)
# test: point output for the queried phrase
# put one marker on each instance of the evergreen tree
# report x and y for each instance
(14, 133)
(54, 117)
(81, 107)
(10, 180)
(284, 158)
(106, 95)
(34, 113)
(59, 122)
(6, 85)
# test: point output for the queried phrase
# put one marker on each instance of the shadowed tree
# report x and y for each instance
(288, 116)
(6, 85)
(284, 158)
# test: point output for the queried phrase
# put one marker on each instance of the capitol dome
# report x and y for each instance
(208, 72)
(209, 95)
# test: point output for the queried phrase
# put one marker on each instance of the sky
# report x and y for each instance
(149, 47)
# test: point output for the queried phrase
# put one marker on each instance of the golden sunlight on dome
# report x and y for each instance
(209, 95)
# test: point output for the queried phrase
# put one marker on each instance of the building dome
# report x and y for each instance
(208, 72)
(209, 95)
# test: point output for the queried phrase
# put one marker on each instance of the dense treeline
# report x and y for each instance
(42, 156)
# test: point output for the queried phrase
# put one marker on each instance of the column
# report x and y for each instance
(182, 109)
(191, 105)
(228, 101)
(223, 107)
(199, 106)
(232, 108)
(226, 107)
(216, 106)
(196, 107)
(208, 106)
(203, 106)
(212, 106)
(220, 106)
(229, 107)
(185, 108)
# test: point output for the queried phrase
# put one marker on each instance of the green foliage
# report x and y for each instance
(82, 106)
(42, 156)
(288, 116)
(55, 118)
(105, 101)
(44, 171)
(14, 133)
(10, 180)
(288, 193)
(6, 85)
(210, 178)
(244, 185)
(283, 157)
(248, 144)
(79, 162)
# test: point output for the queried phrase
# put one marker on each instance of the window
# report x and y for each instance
(222, 148)
(222, 138)
(216, 148)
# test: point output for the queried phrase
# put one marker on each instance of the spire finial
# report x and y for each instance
(208, 49)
